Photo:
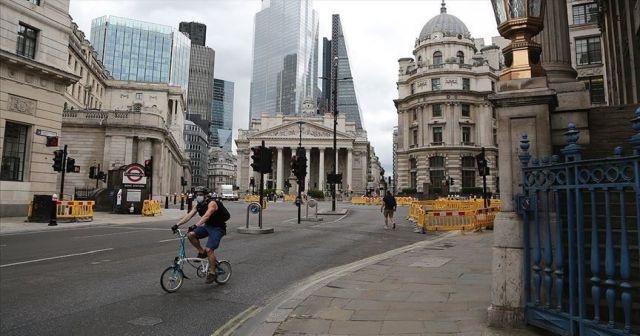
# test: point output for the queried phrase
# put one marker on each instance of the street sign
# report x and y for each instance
(133, 176)
(46, 133)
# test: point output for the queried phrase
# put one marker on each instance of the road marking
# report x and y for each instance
(109, 234)
(58, 257)
(167, 240)
(231, 325)
(3, 245)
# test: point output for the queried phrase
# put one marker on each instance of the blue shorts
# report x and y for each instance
(215, 234)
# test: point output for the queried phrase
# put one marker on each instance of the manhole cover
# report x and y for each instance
(146, 321)
(431, 262)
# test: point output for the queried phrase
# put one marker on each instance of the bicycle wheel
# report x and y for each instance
(171, 279)
(223, 272)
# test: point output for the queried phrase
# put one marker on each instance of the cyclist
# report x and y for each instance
(207, 226)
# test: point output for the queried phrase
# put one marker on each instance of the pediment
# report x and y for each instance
(292, 131)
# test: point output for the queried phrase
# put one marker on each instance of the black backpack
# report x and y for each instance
(221, 215)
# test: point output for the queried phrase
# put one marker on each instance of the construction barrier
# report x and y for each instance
(151, 208)
(256, 199)
(453, 214)
(290, 198)
(449, 220)
(378, 200)
(75, 210)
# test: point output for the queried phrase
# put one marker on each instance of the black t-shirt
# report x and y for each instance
(202, 209)
(389, 202)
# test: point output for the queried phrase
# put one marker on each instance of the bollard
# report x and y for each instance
(54, 210)
(189, 203)
(181, 202)
(174, 198)
(166, 202)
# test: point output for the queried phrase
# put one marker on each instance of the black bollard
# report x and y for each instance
(174, 199)
(189, 204)
(182, 202)
(54, 211)
(166, 202)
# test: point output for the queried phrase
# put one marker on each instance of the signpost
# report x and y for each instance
(134, 177)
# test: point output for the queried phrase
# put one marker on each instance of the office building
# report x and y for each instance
(285, 58)
(200, 96)
(141, 51)
(196, 31)
(222, 114)
(197, 148)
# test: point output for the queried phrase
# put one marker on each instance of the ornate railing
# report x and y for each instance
(582, 239)
(114, 118)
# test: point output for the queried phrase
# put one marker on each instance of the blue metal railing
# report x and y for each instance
(581, 254)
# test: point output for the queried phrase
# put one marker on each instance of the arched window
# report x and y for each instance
(419, 60)
(437, 57)
(65, 107)
(460, 56)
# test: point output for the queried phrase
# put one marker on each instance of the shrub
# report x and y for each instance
(317, 194)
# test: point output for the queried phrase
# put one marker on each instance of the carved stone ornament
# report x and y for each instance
(124, 95)
(294, 131)
(12, 73)
(43, 82)
(28, 78)
(22, 105)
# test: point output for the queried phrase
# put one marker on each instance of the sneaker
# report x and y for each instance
(417, 230)
(202, 255)
(211, 277)
(386, 227)
(394, 226)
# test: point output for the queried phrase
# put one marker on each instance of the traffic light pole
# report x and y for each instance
(334, 93)
(151, 180)
(484, 181)
(262, 149)
(98, 174)
(300, 182)
(64, 170)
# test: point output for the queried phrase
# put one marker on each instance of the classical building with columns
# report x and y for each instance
(281, 135)
(444, 117)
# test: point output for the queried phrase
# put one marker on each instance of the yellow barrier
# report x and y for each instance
(290, 198)
(151, 208)
(256, 199)
(378, 200)
(359, 200)
(75, 210)
(446, 220)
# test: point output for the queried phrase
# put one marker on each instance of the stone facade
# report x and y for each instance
(34, 75)
(137, 121)
(444, 117)
(282, 135)
(222, 169)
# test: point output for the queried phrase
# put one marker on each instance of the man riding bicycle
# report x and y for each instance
(207, 226)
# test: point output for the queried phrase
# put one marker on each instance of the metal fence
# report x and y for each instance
(582, 239)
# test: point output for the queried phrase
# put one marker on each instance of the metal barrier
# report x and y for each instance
(290, 198)
(151, 208)
(378, 200)
(75, 210)
(256, 199)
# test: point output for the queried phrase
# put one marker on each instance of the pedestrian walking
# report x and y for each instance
(388, 207)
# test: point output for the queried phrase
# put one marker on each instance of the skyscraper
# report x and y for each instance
(196, 31)
(285, 57)
(221, 114)
(141, 51)
(347, 100)
(201, 69)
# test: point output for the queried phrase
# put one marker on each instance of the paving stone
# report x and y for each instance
(334, 313)
(402, 327)
(369, 315)
(348, 293)
(440, 326)
(279, 315)
(356, 327)
(266, 329)
(409, 315)
(357, 304)
(309, 326)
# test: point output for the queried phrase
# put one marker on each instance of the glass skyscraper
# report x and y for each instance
(222, 114)
(141, 51)
(285, 57)
(196, 31)
(347, 100)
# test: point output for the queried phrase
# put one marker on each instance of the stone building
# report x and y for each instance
(586, 48)
(197, 148)
(282, 135)
(137, 121)
(222, 169)
(444, 117)
(34, 74)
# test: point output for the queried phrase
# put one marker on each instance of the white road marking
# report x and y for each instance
(58, 257)
(3, 245)
(109, 234)
(167, 240)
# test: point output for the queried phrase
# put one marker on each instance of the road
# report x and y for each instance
(105, 280)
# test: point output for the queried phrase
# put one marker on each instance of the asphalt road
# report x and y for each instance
(105, 280)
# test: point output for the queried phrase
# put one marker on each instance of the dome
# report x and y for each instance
(445, 23)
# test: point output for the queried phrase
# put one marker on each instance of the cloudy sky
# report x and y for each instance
(377, 32)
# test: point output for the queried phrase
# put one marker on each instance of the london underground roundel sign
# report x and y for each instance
(134, 175)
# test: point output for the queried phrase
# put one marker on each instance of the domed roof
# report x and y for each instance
(448, 24)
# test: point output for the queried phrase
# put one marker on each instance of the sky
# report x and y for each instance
(377, 33)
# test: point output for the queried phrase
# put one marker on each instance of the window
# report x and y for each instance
(413, 88)
(468, 172)
(415, 137)
(495, 136)
(69, 61)
(466, 84)
(466, 110)
(466, 135)
(35, 2)
(26, 45)
(437, 57)
(414, 114)
(13, 152)
(436, 170)
(137, 107)
(435, 84)
(81, 71)
(585, 13)
(437, 135)
(595, 85)
(138, 95)
(75, 66)
(414, 180)
(588, 50)
(493, 86)
(460, 56)
(437, 110)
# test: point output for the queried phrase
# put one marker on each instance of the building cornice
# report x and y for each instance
(430, 94)
(43, 70)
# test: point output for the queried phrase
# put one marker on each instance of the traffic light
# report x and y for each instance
(92, 172)
(265, 166)
(256, 159)
(482, 164)
(294, 165)
(334, 178)
(302, 163)
(71, 165)
(148, 167)
(58, 157)
(252, 181)
(101, 176)
(52, 141)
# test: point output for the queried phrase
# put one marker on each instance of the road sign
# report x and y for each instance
(133, 176)
(46, 133)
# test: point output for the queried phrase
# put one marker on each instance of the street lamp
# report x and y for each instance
(519, 21)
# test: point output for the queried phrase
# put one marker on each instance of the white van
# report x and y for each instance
(227, 192)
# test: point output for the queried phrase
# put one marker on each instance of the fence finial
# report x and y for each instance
(524, 156)
(572, 150)
(635, 124)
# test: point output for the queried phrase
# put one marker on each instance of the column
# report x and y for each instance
(321, 170)
(141, 148)
(554, 38)
(364, 159)
(158, 159)
(308, 178)
(280, 171)
(349, 169)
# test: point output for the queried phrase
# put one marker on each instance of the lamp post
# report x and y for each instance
(300, 122)
(334, 95)
(519, 21)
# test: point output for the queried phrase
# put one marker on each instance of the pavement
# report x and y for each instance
(10, 225)
(439, 286)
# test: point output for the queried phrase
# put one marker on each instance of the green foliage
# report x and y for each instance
(317, 194)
